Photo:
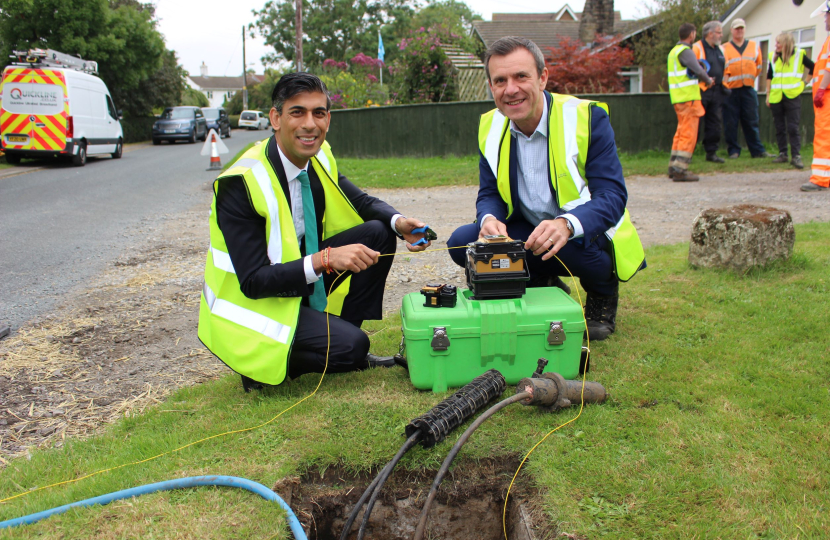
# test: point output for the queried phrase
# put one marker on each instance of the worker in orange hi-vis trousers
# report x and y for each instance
(685, 96)
(820, 178)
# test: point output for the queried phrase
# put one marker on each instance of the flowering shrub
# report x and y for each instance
(354, 83)
(576, 69)
(423, 72)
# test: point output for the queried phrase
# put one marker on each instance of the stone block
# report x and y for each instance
(740, 237)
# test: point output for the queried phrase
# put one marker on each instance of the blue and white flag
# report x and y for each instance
(381, 50)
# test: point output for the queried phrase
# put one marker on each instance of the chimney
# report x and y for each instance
(597, 18)
(203, 69)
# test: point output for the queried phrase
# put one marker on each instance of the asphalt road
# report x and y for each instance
(60, 225)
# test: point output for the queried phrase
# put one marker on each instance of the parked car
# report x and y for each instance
(254, 120)
(180, 124)
(217, 119)
(54, 106)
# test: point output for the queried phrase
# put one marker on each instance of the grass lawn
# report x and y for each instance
(453, 170)
(716, 426)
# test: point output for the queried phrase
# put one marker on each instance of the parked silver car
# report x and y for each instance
(254, 120)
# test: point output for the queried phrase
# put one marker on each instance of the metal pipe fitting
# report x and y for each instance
(554, 391)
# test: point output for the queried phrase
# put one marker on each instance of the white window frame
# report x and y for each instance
(632, 73)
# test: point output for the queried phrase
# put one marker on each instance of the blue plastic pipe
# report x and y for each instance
(193, 481)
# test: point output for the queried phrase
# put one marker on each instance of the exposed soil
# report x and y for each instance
(130, 338)
(469, 503)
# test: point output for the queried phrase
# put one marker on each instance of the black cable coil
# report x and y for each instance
(453, 411)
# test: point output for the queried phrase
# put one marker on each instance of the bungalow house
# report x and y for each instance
(218, 89)
(548, 29)
(765, 19)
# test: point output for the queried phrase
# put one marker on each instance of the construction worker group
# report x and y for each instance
(712, 89)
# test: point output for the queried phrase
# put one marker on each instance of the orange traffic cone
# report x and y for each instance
(215, 162)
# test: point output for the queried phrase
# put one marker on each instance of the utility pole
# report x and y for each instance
(298, 27)
(244, 74)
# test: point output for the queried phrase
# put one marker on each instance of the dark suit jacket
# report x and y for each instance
(244, 230)
(603, 173)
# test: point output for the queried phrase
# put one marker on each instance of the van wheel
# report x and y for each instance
(80, 159)
(12, 159)
(119, 149)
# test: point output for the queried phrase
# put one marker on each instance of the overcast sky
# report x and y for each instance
(210, 31)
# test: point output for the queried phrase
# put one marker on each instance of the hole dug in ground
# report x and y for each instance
(468, 506)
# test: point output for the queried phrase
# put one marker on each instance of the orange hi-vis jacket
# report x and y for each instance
(701, 55)
(741, 69)
(821, 140)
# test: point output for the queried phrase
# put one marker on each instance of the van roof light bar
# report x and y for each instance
(51, 58)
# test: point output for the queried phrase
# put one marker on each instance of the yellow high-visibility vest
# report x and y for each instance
(254, 337)
(569, 136)
(682, 88)
(786, 78)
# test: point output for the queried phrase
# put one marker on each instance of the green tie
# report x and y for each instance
(318, 297)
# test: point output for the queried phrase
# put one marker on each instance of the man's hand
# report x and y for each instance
(818, 100)
(404, 226)
(767, 99)
(353, 257)
(550, 236)
(492, 227)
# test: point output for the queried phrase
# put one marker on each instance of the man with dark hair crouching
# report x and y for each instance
(291, 239)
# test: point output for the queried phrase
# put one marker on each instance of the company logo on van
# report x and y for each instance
(40, 95)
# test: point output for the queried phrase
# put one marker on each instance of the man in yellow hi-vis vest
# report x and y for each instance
(283, 225)
(549, 175)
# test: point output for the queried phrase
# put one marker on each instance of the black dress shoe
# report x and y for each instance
(373, 361)
(601, 315)
(249, 384)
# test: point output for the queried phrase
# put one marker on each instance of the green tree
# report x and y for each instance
(455, 17)
(334, 29)
(653, 48)
(121, 35)
(194, 98)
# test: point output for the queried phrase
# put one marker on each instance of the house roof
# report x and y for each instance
(547, 32)
(739, 10)
(225, 83)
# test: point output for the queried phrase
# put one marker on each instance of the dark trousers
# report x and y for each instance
(347, 344)
(711, 123)
(742, 107)
(787, 116)
(591, 264)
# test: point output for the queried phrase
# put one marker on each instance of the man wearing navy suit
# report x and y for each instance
(549, 175)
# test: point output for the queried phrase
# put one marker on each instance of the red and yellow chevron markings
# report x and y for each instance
(46, 132)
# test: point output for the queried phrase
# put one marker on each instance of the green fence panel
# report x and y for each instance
(640, 121)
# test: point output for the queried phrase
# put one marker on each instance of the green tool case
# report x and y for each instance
(448, 347)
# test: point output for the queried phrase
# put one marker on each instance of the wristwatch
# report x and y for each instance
(570, 227)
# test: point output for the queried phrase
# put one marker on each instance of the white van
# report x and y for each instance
(51, 105)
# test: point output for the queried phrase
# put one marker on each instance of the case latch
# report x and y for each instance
(556, 336)
(440, 340)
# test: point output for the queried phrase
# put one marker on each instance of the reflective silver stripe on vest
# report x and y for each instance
(821, 172)
(684, 83)
(569, 121)
(613, 230)
(493, 142)
(821, 161)
(222, 260)
(677, 73)
(324, 161)
(264, 183)
(785, 86)
(245, 317)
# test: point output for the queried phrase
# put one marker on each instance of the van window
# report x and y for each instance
(32, 98)
(248, 116)
(111, 108)
(211, 114)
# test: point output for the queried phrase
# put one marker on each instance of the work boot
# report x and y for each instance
(714, 158)
(734, 156)
(380, 361)
(601, 315)
(809, 186)
(781, 158)
(796, 162)
(763, 154)
(249, 384)
(684, 176)
(671, 172)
